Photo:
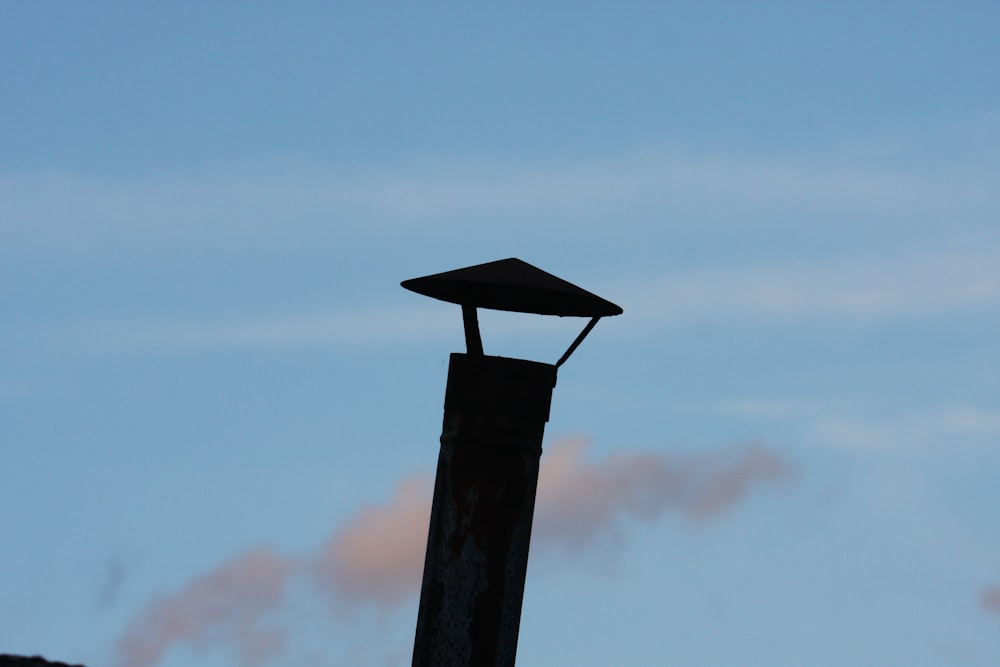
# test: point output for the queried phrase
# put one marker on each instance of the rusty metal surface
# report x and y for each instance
(484, 498)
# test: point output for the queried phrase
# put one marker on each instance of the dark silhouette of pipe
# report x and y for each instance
(495, 410)
(484, 499)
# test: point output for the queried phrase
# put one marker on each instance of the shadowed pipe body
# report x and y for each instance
(484, 499)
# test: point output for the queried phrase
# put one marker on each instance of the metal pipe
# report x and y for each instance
(484, 498)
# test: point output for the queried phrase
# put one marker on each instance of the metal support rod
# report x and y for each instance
(576, 343)
(473, 342)
(484, 499)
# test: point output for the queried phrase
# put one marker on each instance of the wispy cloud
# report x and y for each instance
(989, 600)
(296, 200)
(362, 327)
(846, 291)
(923, 429)
(836, 424)
(114, 578)
(378, 555)
(852, 289)
(767, 407)
(230, 606)
(376, 558)
(578, 500)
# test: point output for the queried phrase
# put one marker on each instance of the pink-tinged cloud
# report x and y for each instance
(379, 555)
(231, 607)
(990, 600)
(579, 499)
(713, 483)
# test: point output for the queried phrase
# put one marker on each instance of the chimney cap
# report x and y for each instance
(512, 285)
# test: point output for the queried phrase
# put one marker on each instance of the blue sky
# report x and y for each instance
(219, 410)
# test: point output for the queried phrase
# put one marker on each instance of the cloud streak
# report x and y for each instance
(114, 578)
(989, 600)
(847, 291)
(364, 327)
(956, 425)
(297, 201)
(830, 425)
(230, 606)
(378, 555)
(376, 558)
(578, 499)
(858, 290)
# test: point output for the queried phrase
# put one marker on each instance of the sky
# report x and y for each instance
(219, 411)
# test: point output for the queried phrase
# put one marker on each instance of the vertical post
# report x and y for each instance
(484, 500)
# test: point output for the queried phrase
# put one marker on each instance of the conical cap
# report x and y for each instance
(514, 285)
